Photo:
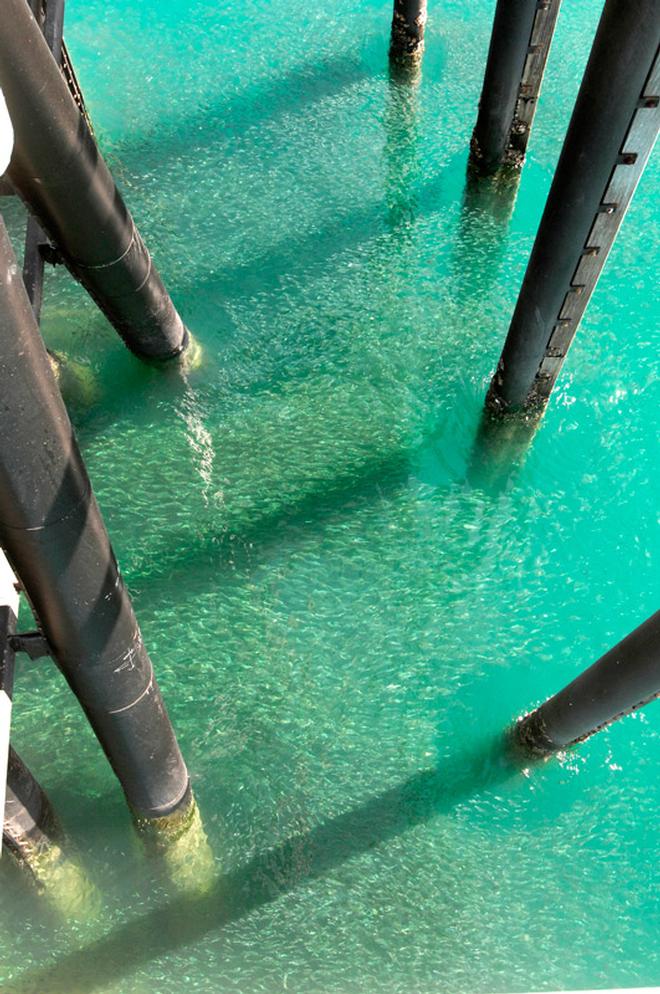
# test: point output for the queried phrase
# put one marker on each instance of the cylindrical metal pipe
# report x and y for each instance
(509, 45)
(624, 679)
(552, 297)
(60, 173)
(33, 835)
(407, 38)
(29, 826)
(55, 539)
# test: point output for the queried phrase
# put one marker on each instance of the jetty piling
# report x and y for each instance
(613, 128)
(35, 838)
(30, 828)
(498, 454)
(407, 36)
(623, 680)
(59, 172)
(519, 46)
(8, 609)
(54, 537)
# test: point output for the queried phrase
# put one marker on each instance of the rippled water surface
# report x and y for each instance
(345, 603)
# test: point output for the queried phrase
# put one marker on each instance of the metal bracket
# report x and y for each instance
(38, 250)
(51, 254)
(32, 643)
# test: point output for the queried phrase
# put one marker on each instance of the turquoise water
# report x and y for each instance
(343, 610)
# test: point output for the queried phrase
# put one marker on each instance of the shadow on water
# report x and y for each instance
(303, 858)
(310, 252)
(227, 117)
(388, 224)
(270, 875)
(245, 544)
(404, 200)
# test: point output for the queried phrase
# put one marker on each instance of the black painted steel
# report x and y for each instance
(33, 644)
(408, 24)
(33, 259)
(29, 823)
(33, 264)
(59, 172)
(53, 27)
(7, 650)
(624, 679)
(55, 539)
(623, 52)
(7, 667)
(509, 44)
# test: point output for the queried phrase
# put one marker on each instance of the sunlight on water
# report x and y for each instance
(344, 609)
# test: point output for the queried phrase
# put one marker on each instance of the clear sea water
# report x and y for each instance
(344, 610)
